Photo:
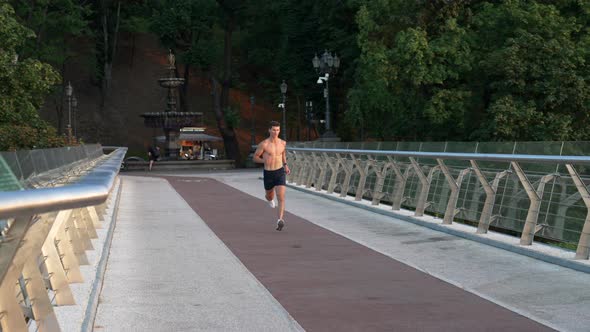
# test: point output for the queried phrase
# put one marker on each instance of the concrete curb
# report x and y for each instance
(92, 306)
(568, 263)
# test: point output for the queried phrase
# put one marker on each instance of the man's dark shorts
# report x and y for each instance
(274, 178)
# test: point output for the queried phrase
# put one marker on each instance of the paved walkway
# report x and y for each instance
(167, 271)
(334, 267)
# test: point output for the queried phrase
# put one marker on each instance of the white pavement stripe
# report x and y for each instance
(167, 271)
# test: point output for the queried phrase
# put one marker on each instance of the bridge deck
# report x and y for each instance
(334, 267)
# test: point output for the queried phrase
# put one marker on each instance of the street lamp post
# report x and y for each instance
(69, 93)
(284, 92)
(75, 111)
(308, 115)
(326, 65)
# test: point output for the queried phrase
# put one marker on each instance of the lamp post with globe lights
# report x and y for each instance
(69, 93)
(327, 66)
(282, 105)
(75, 115)
(308, 115)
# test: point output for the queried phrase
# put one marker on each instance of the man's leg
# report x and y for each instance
(151, 163)
(270, 196)
(280, 190)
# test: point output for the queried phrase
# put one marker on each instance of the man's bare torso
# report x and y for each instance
(272, 153)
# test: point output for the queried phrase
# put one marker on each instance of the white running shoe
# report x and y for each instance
(272, 204)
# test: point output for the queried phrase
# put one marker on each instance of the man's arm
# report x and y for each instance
(257, 157)
(287, 169)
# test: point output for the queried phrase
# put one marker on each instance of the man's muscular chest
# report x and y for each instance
(273, 150)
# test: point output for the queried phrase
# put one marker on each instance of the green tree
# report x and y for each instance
(191, 30)
(532, 74)
(410, 79)
(56, 25)
(26, 83)
(280, 40)
(106, 25)
(472, 70)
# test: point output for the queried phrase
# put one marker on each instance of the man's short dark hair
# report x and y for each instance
(274, 124)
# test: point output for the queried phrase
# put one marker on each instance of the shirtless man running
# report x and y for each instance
(272, 153)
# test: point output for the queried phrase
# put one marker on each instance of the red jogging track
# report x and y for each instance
(330, 283)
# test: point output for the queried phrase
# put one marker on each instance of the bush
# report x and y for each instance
(20, 137)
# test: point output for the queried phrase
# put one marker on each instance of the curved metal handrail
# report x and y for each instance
(92, 189)
(314, 164)
(460, 156)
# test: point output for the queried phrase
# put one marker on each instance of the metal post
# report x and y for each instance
(528, 232)
(284, 130)
(327, 65)
(308, 110)
(69, 93)
(455, 185)
(69, 112)
(310, 118)
(348, 167)
(327, 96)
(583, 249)
(69, 119)
(75, 117)
(423, 196)
(400, 183)
(308, 129)
(75, 122)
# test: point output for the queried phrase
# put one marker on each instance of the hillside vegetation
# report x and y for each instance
(410, 70)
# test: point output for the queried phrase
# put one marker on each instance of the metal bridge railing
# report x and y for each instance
(47, 231)
(534, 195)
(33, 166)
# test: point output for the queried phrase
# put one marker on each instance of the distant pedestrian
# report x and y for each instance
(153, 155)
(272, 153)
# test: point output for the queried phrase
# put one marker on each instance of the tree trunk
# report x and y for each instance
(59, 111)
(183, 90)
(105, 51)
(230, 140)
(59, 105)
(30, 13)
(227, 56)
(221, 103)
(132, 49)
(116, 34)
(109, 51)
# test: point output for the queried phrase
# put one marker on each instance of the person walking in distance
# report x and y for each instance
(153, 155)
(272, 153)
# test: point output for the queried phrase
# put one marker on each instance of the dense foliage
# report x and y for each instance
(25, 84)
(418, 70)
(477, 70)
(410, 70)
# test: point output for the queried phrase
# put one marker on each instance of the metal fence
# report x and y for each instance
(47, 232)
(26, 165)
(537, 189)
